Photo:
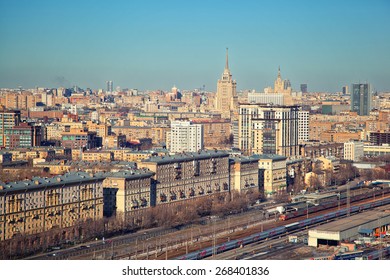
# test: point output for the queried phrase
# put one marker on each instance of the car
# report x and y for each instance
(51, 255)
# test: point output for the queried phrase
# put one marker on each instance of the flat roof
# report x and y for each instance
(353, 221)
(186, 157)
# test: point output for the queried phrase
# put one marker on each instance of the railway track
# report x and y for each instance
(187, 247)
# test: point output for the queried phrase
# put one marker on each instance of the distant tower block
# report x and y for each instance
(226, 97)
(304, 88)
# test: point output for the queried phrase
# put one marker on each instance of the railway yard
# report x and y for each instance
(255, 234)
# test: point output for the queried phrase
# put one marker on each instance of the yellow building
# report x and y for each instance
(114, 141)
(139, 155)
(101, 129)
(384, 149)
(327, 163)
(56, 167)
(244, 174)
(273, 169)
(127, 194)
(106, 156)
(34, 206)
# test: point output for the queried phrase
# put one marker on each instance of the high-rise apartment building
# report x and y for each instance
(110, 86)
(345, 90)
(361, 99)
(186, 137)
(303, 126)
(226, 97)
(268, 129)
(8, 119)
(304, 88)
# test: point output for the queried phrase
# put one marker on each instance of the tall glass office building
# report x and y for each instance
(361, 97)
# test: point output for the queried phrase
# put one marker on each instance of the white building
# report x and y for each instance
(266, 98)
(353, 150)
(186, 137)
(303, 126)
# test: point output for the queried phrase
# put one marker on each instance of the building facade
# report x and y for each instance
(274, 174)
(128, 193)
(186, 137)
(8, 119)
(34, 206)
(303, 126)
(361, 98)
(189, 175)
(353, 150)
(244, 174)
(78, 138)
(268, 129)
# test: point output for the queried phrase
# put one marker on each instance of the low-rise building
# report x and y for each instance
(244, 174)
(382, 150)
(274, 174)
(353, 150)
(97, 155)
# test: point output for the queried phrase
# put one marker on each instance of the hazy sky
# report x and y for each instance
(156, 44)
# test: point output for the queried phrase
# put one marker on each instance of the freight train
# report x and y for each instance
(331, 204)
(238, 243)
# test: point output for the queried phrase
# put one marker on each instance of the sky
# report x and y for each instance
(152, 45)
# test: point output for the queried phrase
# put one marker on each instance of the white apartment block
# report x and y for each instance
(186, 137)
(303, 126)
(353, 150)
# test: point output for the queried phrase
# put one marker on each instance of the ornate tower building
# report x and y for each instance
(226, 98)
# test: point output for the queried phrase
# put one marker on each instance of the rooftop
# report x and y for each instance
(186, 157)
(270, 156)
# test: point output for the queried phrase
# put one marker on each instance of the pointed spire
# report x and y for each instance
(279, 71)
(227, 59)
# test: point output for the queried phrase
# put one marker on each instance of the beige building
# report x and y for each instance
(34, 206)
(139, 155)
(273, 170)
(106, 156)
(101, 129)
(189, 175)
(56, 167)
(127, 193)
(384, 149)
(157, 134)
(329, 163)
(244, 174)
(216, 132)
(353, 150)
(226, 97)
(114, 141)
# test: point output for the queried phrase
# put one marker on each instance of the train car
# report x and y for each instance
(377, 254)
(349, 255)
(292, 226)
(200, 254)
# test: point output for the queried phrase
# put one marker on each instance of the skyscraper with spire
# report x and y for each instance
(226, 98)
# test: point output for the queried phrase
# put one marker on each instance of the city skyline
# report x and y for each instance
(154, 45)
